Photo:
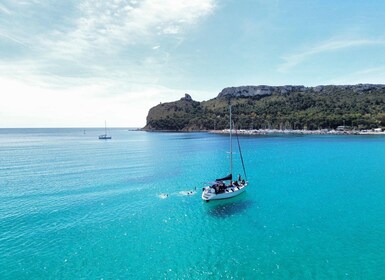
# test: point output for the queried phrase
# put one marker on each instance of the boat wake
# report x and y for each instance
(181, 193)
(187, 193)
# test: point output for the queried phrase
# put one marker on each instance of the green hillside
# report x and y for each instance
(286, 107)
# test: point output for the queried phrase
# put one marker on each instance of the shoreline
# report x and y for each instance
(299, 132)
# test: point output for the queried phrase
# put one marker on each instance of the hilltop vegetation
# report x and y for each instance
(286, 107)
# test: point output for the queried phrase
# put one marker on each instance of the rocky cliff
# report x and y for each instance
(251, 91)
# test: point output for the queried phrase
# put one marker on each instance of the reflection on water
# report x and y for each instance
(228, 208)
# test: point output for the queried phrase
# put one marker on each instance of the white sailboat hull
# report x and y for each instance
(231, 191)
(104, 137)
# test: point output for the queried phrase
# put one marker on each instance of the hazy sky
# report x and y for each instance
(76, 63)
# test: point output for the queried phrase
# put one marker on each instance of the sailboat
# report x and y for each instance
(225, 187)
(104, 136)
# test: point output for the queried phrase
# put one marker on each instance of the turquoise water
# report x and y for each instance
(75, 207)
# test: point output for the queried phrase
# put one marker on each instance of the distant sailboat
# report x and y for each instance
(219, 189)
(104, 136)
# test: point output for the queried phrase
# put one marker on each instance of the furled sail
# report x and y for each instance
(227, 178)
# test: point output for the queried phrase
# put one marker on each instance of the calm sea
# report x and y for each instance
(75, 207)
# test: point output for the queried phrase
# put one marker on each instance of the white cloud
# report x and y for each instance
(171, 30)
(12, 38)
(73, 73)
(96, 30)
(4, 9)
(108, 26)
(327, 46)
(27, 104)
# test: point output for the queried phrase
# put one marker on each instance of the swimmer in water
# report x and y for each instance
(163, 195)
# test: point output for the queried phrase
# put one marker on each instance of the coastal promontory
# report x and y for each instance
(360, 106)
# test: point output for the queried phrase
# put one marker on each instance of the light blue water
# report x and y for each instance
(75, 207)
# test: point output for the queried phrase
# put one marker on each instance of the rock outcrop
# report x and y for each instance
(187, 97)
(263, 90)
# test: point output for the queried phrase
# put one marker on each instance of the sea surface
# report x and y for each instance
(76, 207)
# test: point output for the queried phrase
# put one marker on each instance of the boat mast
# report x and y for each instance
(105, 127)
(231, 144)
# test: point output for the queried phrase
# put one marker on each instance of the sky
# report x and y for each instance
(79, 63)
